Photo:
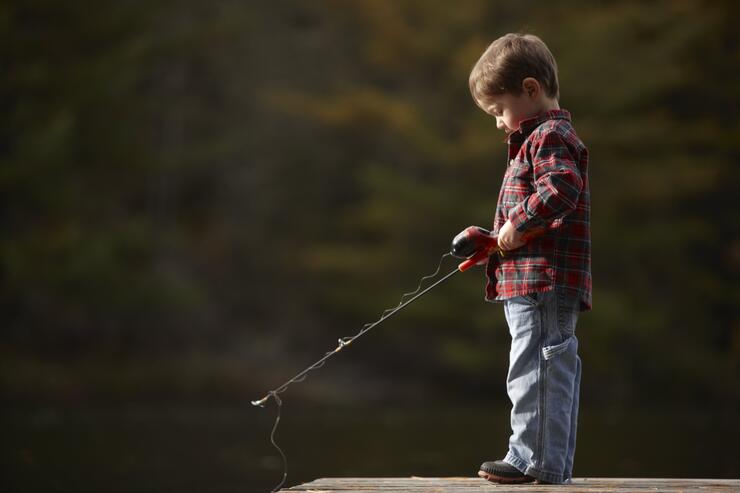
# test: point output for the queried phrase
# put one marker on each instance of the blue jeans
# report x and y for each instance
(543, 383)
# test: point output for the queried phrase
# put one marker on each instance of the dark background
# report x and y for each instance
(198, 198)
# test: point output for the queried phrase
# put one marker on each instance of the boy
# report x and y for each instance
(543, 282)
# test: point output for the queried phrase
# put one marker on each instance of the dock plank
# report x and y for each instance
(478, 485)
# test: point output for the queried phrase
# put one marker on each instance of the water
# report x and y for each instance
(224, 447)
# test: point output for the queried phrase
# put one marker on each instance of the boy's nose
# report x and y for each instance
(500, 124)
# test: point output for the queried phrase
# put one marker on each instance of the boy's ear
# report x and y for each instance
(531, 87)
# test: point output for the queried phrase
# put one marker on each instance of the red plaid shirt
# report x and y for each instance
(545, 184)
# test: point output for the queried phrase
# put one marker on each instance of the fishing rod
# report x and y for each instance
(344, 342)
(474, 244)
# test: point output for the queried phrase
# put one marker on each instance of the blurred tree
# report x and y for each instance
(193, 193)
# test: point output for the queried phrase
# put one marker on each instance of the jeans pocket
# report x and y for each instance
(567, 313)
(549, 352)
(530, 298)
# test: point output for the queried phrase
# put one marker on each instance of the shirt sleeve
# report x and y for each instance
(558, 185)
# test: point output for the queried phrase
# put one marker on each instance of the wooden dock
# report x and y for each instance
(478, 485)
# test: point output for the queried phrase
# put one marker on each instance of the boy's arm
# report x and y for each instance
(558, 184)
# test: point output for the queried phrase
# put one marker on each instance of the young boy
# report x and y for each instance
(543, 282)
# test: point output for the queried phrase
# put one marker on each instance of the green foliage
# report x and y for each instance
(257, 179)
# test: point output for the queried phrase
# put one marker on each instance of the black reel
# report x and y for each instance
(467, 242)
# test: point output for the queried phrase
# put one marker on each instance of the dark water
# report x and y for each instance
(217, 447)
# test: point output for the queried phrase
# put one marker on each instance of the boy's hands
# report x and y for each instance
(509, 238)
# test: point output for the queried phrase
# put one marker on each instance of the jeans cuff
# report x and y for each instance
(529, 470)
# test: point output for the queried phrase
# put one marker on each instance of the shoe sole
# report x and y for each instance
(505, 480)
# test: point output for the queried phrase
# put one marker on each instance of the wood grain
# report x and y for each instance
(470, 485)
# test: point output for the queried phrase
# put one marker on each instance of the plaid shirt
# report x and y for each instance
(545, 185)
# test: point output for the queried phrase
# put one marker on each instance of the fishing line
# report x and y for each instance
(344, 342)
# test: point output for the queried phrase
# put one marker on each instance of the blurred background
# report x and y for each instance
(198, 198)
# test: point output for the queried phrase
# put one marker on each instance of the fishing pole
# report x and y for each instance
(473, 238)
(346, 341)
(474, 244)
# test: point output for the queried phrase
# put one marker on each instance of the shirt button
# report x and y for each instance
(511, 162)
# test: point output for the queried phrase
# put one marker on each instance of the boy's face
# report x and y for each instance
(509, 110)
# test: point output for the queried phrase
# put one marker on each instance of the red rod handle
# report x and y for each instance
(481, 256)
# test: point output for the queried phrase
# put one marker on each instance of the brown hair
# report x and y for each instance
(508, 61)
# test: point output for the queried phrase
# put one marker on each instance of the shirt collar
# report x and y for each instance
(526, 126)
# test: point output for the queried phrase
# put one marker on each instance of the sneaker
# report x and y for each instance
(503, 472)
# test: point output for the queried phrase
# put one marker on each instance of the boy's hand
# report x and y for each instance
(509, 238)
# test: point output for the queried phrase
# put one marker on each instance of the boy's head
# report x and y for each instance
(516, 72)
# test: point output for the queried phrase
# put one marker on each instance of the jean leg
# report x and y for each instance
(523, 318)
(573, 422)
(543, 384)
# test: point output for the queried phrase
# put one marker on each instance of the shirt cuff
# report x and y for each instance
(519, 218)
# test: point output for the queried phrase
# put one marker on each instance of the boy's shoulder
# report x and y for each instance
(558, 121)
(558, 125)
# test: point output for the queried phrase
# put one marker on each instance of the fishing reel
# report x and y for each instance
(475, 244)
